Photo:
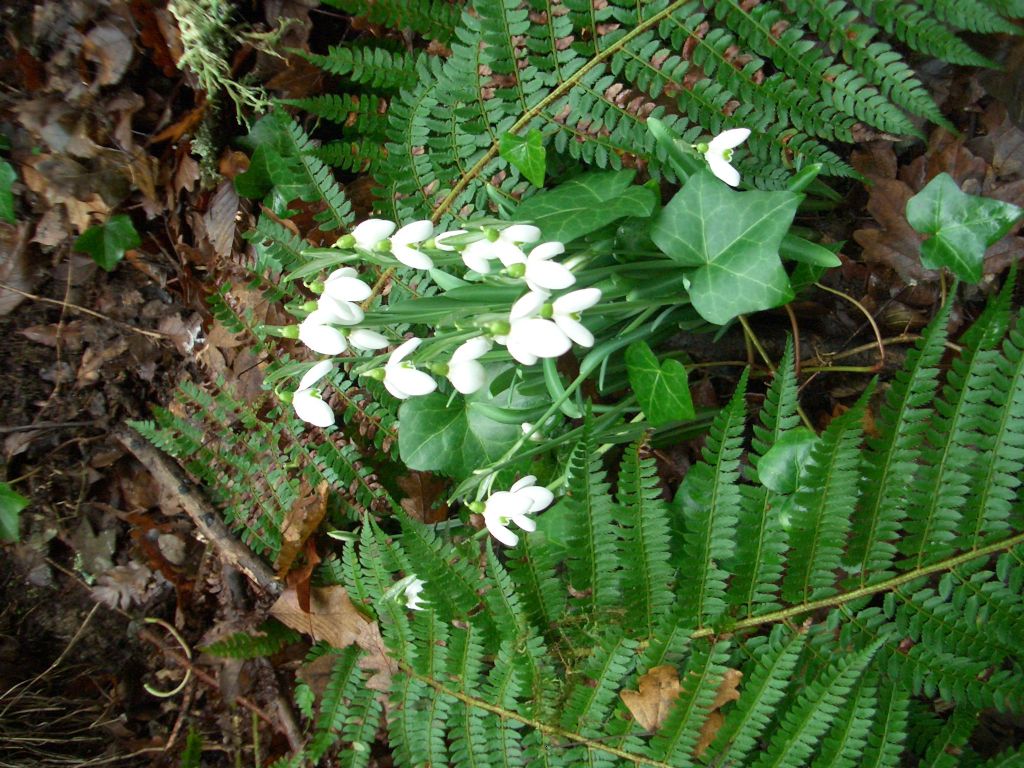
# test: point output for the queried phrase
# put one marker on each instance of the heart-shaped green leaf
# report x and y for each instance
(662, 390)
(11, 504)
(107, 243)
(962, 226)
(7, 177)
(780, 468)
(586, 204)
(527, 153)
(732, 240)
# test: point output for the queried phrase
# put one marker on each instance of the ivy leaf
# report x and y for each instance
(586, 204)
(455, 438)
(732, 239)
(663, 390)
(107, 243)
(962, 226)
(780, 468)
(526, 153)
(7, 178)
(11, 504)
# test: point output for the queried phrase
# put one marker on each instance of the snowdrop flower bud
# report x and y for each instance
(317, 333)
(307, 402)
(566, 314)
(408, 236)
(413, 601)
(361, 338)
(465, 371)
(503, 245)
(371, 232)
(543, 274)
(514, 506)
(401, 378)
(718, 153)
(440, 240)
(344, 285)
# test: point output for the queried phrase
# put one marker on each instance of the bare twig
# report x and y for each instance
(175, 483)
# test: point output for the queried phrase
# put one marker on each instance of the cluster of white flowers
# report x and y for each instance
(539, 324)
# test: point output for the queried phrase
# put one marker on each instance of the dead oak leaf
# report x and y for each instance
(335, 619)
(657, 691)
(727, 691)
(896, 244)
(303, 518)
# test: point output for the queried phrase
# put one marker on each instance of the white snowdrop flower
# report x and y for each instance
(362, 338)
(465, 371)
(479, 254)
(307, 402)
(344, 285)
(408, 236)
(439, 240)
(317, 333)
(718, 153)
(566, 314)
(371, 232)
(340, 312)
(544, 274)
(401, 378)
(514, 506)
(531, 337)
(413, 601)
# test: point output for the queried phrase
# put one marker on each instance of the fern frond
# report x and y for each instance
(915, 27)
(891, 460)
(374, 67)
(972, 15)
(269, 638)
(821, 510)
(847, 737)
(434, 19)
(889, 730)
(647, 575)
(945, 750)
(332, 716)
(709, 520)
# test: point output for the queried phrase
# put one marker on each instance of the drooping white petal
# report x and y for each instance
(575, 330)
(314, 374)
(322, 338)
(330, 310)
(727, 140)
(500, 508)
(721, 168)
(520, 233)
(527, 305)
(540, 497)
(548, 275)
(525, 522)
(439, 240)
(537, 337)
(416, 232)
(312, 409)
(524, 482)
(467, 376)
(471, 350)
(546, 251)
(403, 350)
(413, 601)
(346, 287)
(576, 301)
(372, 231)
(411, 257)
(507, 253)
(501, 532)
(475, 261)
(409, 381)
(362, 338)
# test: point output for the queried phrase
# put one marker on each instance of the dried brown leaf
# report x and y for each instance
(727, 691)
(896, 245)
(16, 268)
(110, 49)
(302, 520)
(220, 219)
(423, 489)
(658, 690)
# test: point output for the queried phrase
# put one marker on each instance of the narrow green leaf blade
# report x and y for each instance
(7, 178)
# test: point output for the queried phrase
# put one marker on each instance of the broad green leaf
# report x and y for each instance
(662, 390)
(780, 468)
(527, 153)
(962, 226)
(732, 240)
(7, 178)
(107, 243)
(586, 204)
(445, 434)
(11, 504)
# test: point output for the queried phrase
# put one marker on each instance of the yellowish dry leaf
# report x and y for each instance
(303, 518)
(727, 691)
(658, 690)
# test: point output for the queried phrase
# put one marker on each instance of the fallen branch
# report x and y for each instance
(175, 482)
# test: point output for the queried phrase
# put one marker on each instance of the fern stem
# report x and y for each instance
(884, 586)
(556, 93)
(550, 730)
